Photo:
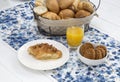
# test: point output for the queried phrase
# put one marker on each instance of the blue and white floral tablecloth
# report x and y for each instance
(17, 26)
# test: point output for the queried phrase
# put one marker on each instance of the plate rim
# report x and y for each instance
(49, 40)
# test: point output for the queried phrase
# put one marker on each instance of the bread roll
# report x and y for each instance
(37, 3)
(75, 4)
(66, 13)
(64, 4)
(80, 6)
(82, 13)
(86, 6)
(40, 3)
(39, 10)
(52, 5)
(51, 16)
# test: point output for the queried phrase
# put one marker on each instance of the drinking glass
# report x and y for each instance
(74, 35)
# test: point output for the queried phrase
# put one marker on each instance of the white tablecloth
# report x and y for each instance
(11, 71)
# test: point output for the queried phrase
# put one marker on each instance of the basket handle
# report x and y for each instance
(98, 4)
(32, 7)
(32, 4)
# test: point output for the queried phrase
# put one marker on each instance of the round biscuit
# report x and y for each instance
(102, 51)
(85, 46)
(98, 54)
(90, 53)
(103, 47)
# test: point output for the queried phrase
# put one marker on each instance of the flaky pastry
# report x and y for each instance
(44, 51)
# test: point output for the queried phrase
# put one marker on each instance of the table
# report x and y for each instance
(107, 22)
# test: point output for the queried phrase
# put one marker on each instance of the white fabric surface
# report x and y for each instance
(12, 71)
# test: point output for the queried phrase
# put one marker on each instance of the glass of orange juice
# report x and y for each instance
(74, 36)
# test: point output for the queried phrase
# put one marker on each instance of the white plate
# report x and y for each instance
(28, 60)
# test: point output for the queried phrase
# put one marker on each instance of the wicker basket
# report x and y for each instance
(58, 27)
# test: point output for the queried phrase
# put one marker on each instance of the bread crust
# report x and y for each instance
(44, 51)
(51, 16)
(52, 5)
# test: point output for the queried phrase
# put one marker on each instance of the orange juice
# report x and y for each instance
(74, 36)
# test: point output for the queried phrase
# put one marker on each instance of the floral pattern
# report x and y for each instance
(17, 27)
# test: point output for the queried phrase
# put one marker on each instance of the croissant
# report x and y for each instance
(44, 51)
